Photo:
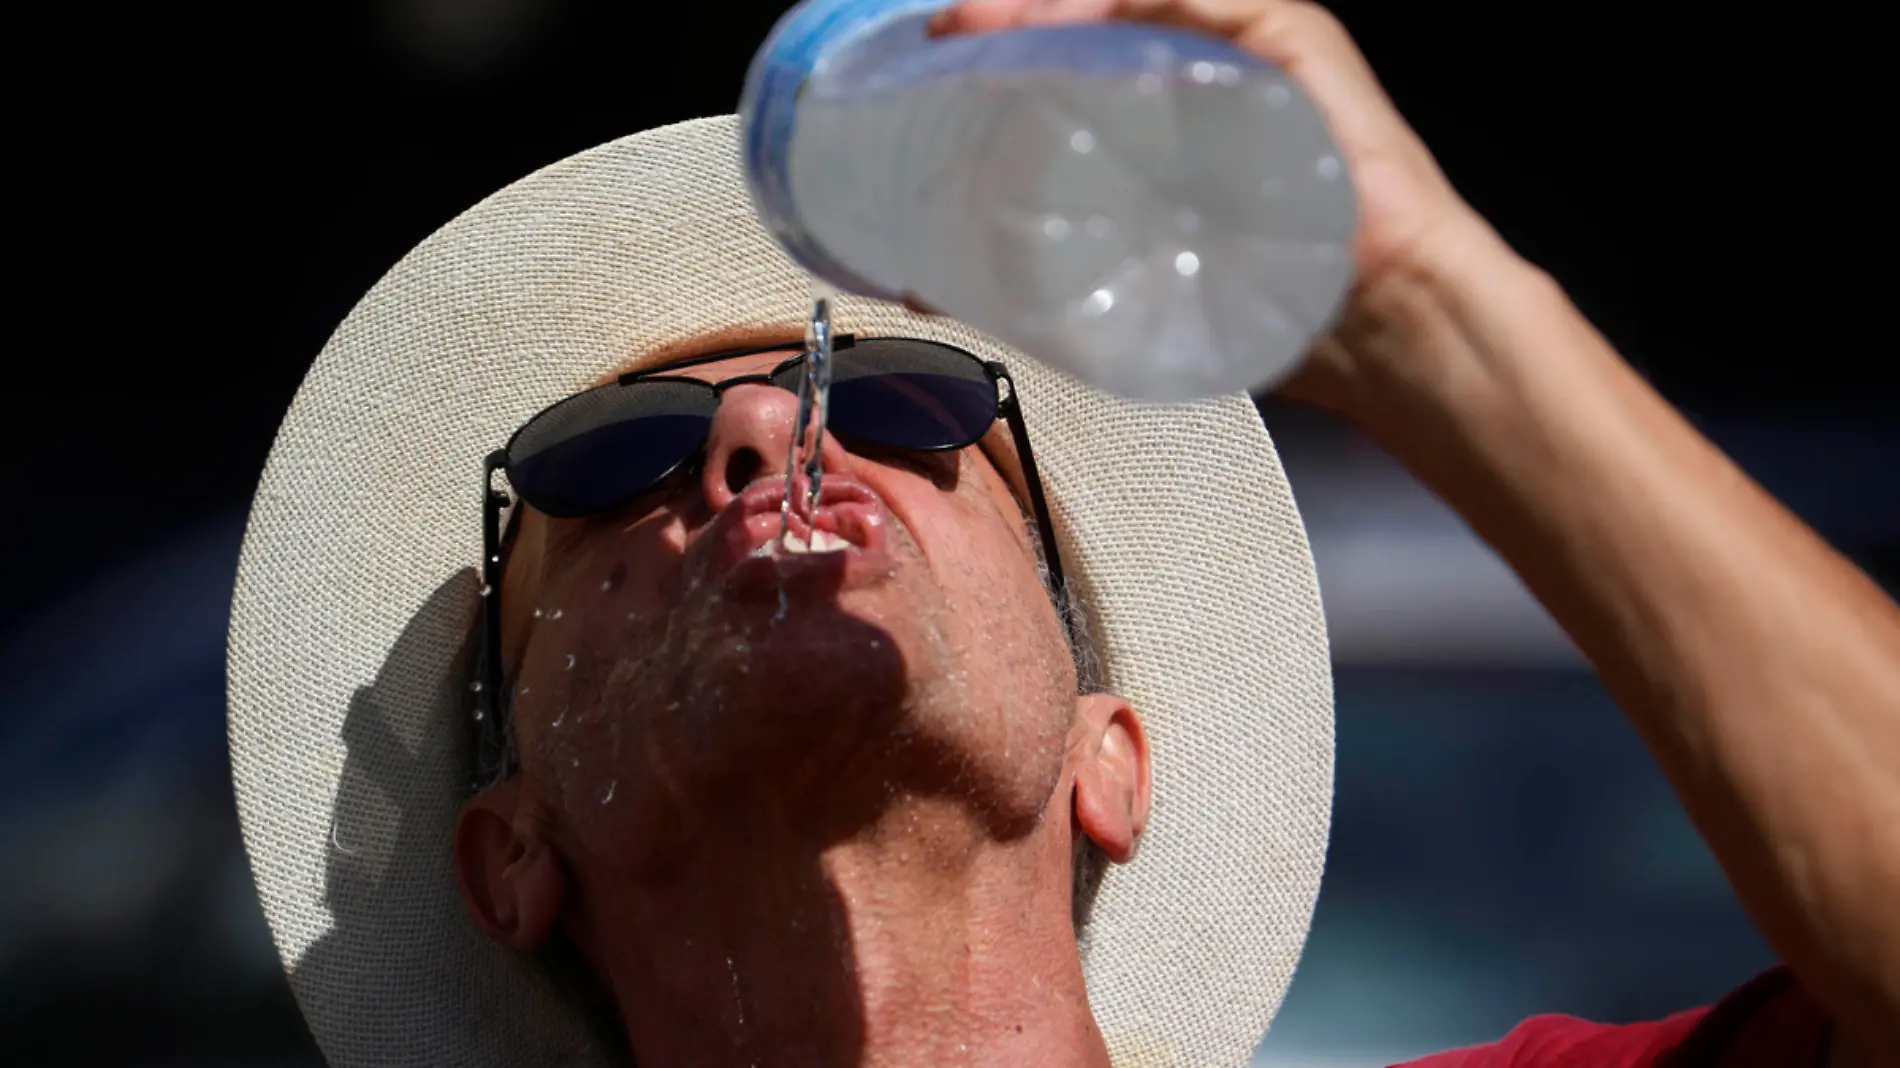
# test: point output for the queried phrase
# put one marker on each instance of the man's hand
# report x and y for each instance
(1404, 200)
(1411, 222)
(1761, 668)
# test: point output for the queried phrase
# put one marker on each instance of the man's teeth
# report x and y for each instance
(822, 541)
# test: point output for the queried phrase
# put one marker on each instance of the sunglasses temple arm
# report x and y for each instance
(491, 733)
(1012, 413)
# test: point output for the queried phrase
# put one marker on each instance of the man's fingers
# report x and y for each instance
(1222, 18)
(1309, 43)
(1048, 12)
(1285, 32)
(980, 16)
(1296, 33)
(1291, 33)
(1299, 36)
(1219, 17)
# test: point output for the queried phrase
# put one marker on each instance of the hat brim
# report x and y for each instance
(356, 589)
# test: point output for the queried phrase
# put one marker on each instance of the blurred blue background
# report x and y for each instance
(203, 199)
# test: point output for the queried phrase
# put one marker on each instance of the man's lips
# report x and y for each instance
(848, 529)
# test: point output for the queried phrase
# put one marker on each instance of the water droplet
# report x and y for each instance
(737, 997)
(537, 613)
(570, 662)
(1082, 141)
(475, 687)
(606, 584)
(1279, 96)
(523, 692)
(1328, 166)
(1201, 71)
(1187, 264)
(495, 559)
(875, 644)
(487, 590)
(556, 614)
(608, 795)
(574, 762)
(672, 706)
(1227, 74)
(1099, 301)
(560, 719)
(478, 713)
(1055, 227)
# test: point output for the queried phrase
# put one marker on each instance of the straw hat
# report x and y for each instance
(348, 666)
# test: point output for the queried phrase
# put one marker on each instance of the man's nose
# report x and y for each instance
(748, 440)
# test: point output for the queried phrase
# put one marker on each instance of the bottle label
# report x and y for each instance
(799, 46)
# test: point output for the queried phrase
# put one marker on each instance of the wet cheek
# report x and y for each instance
(614, 578)
(602, 605)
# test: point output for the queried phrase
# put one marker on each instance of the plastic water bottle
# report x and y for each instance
(1152, 210)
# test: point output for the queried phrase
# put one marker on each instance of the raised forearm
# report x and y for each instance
(1762, 669)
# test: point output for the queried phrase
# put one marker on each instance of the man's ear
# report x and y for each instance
(512, 880)
(1110, 755)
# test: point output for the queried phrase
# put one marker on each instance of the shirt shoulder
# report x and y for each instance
(1769, 1022)
(1568, 1042)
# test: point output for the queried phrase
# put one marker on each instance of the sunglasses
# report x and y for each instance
(600, 449)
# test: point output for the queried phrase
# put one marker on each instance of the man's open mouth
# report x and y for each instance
(848, 515)
(844, 544)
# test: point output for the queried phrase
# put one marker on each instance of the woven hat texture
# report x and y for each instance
(357, 589)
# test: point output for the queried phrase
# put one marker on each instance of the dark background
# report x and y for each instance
(200, 199)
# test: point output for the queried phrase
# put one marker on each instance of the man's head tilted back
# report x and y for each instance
(839, 828)
(753, 813)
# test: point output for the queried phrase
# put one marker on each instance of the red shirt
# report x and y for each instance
(1770, 1022)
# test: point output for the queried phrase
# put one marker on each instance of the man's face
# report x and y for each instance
(666, 678)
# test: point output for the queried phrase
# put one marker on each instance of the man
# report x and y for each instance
(848, 802)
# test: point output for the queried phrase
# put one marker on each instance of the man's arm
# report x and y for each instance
(1760, 667)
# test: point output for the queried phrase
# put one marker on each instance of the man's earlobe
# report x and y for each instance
(512, 880)
(1112, 786)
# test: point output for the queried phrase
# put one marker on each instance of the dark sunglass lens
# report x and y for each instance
(911, 394)
(600, 448)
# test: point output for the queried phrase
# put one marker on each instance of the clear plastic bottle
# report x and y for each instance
(1152, 210)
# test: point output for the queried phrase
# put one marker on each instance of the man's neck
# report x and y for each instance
(920, 941)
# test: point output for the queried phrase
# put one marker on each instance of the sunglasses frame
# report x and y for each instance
(492, 751)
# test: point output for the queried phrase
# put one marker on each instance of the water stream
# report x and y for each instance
(805, 452)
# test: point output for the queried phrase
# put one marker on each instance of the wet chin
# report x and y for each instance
(845, 713)
(838, 703)
(737, 692)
